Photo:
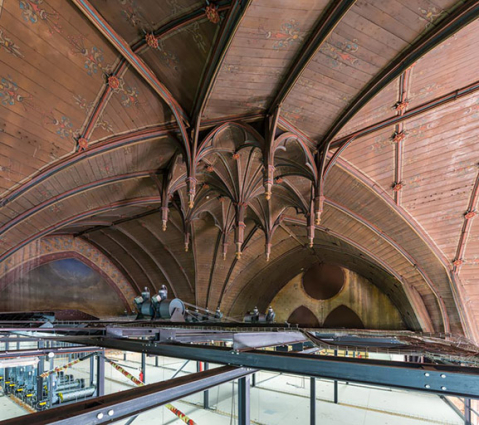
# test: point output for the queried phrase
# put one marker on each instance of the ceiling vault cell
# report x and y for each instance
(452, 23)
(328, 21)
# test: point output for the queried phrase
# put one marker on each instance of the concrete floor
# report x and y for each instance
(277, 399)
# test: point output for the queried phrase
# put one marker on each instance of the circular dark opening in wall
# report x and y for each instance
(323, 281)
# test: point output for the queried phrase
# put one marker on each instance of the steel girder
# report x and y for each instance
(441, 379)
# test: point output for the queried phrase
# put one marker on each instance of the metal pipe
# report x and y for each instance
(75, 395)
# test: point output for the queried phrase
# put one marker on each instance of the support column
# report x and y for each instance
(206, 394)
(336, 383)
(312, 408)
(244, 401)
(50, 383)
(143, 366)
(92, 370)
(467, 411)
(40, 370)
(100, 375)
(124, 356)
(156, 361)
(253, 380)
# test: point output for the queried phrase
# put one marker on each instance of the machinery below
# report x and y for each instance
(21, 381)
(159, 307)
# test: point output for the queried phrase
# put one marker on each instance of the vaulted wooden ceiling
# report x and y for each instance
(221, 147)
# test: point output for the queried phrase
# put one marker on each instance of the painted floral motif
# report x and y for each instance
(168, 58)
(380, 143)
(430, 15)
(63, 126)
(83, 103)
(133, 15)
(473, 111)
(233, 69)
(175, 6)
(104, 125)
(55, 208)
(9, 92)
(88, 107)
(198, 37)
(288, 35)
(33, 12)
(129, 97)
(426, 91)
(340, 53)
(8, 45)
(93, 55)
(294, 114)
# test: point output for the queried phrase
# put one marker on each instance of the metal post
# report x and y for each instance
(336, 384)
(92, 370)
(206, 395)
(124, 356)
(50, 384)
(312, 408)
(40, 370)
(143, 366)
(100, 375)
(244, 401)
(156, 361)
(253, 380)
(467, 411)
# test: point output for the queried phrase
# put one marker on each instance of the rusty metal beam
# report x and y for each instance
(458, 19)
(326, 25)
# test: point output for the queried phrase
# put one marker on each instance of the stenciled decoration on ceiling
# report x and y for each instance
(35, 11)
(288, 34)
(341, 53)
(9, 45)
(12, 95)
(93, 55)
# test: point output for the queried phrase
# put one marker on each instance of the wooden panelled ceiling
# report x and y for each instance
(221, 147)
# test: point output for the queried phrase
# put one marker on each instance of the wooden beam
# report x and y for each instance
(469, 215)
(458, 19)
(138, 64)
(147, 200)
(115, 261)
(231, 23)
(328, 22)
(411, 113)
(129, 253)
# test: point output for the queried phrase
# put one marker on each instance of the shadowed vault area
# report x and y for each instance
(59, 285)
